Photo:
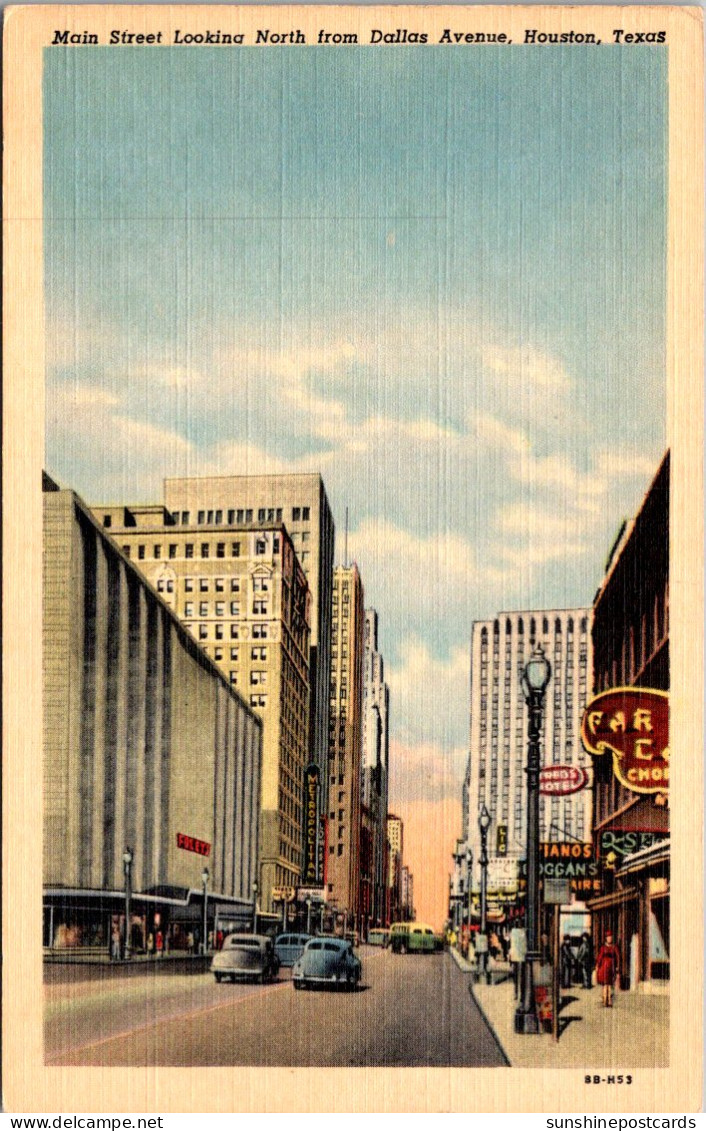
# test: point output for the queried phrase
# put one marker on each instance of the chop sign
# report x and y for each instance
(633, 724)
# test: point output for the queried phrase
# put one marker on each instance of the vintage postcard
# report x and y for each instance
(351, 632)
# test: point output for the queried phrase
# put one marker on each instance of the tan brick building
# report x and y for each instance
(345, 741)
(243, 595)
(145, 744)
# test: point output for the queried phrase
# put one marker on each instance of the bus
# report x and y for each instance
(412, 938)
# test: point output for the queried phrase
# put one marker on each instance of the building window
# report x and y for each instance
(258, 653)
(261, 514)
(235, 608)
(157, 551)
(189, 609)
(305, 514)
(258, 677)
(188, 584)
(259, 632)
(235, 549)
(219, 584)
(203, 632)
(234, 654)
(219, 516)
(220, 549)
(204, 549)
(189, 550)
(258, 700)
(234, 585)
(172, 550)
(259, 608)
(233, 679)
(219, 632)
(275, 544)
(201, 518)
(126, 551)
(185, 518)
(296, 514)
(260, 546)
(218, 654)
(261, 584)
(141, 552)
(234, 632)
(107, 520)
(220, 608)
(203, 609)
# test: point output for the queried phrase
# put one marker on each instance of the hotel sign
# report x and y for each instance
(633, 724)
(311, 822)
(557, 781)
(191, 844)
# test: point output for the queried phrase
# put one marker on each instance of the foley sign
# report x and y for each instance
(633, 724)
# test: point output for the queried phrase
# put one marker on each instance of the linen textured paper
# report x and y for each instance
(357, 626)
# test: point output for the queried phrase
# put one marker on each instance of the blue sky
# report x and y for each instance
(435, 275)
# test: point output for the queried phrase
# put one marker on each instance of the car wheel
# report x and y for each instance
(218, 977)
(403, 948)
(297, 985)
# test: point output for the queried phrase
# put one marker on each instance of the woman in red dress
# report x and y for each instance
(607, 968)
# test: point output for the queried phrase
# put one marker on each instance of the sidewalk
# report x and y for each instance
(633, 1034)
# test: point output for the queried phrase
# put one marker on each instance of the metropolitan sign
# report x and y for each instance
(633, 724)
(556, 781)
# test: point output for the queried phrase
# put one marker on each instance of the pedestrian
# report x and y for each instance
(219, 939)
(115, 944)
(584, 959)
(190, 942)
(566, 963)
(159, 943)
(150, 945)
(608, 968)
(518, 954)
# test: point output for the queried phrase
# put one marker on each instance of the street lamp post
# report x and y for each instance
(484, 825)
(308, 915)
(204, 880)
(254, 907)
(536, 676)
(127, 869)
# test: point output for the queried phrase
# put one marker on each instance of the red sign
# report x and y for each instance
(557, 780)
(633, 724)
(191, 844)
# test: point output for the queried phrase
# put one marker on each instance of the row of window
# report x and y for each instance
(235, 516)
(220, 549)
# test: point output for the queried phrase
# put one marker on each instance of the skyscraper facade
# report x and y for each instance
(345, 741)
(375, 762)
(500, 649)
(300, 502)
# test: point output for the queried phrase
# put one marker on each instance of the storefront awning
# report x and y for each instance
(647, 857)
(612, 900)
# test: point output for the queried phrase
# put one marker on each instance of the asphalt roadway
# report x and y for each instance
(409, 1011)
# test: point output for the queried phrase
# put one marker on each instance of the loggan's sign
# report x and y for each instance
(568, 860)
(557, 781)
(633, 724)
(192, 844)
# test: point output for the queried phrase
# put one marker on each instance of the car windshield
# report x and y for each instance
(244, 944)
(315, 946)
(332, 946)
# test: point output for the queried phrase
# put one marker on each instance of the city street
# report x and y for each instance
(412, 1010)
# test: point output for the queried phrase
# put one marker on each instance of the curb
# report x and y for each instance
(485, 1017)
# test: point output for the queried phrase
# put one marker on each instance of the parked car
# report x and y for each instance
(288, 948)
(412, 937)
(245, 956)
(327, 961)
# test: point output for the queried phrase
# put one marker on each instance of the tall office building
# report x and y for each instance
(374, 776)
(345, 741)
(500, 649)
(242, 593)
(300, 502)
(395, 846)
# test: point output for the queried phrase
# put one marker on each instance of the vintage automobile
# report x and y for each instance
(288, 948)
(327, 961)
(245, 956)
